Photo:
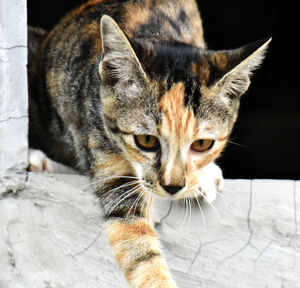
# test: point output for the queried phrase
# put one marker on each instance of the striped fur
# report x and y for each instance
(94, 87)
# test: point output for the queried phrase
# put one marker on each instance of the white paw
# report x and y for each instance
(211, 181)
(39, 162)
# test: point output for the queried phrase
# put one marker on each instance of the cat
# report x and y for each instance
(127, 93)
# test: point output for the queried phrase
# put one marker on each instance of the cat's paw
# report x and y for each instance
(39, 162)
(211, 181)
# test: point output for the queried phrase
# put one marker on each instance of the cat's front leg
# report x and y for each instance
(211, 181)
(136, 247)
(134, 241)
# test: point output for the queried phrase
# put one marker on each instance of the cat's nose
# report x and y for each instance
(171, 189)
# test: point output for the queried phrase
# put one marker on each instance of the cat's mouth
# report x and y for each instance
(204, 190)
(172, 192)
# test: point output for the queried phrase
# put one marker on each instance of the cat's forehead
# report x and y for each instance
(187, 114)
(179, 124)
(177, 120)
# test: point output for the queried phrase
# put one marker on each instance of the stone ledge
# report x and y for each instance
(52, 236)
(13, 95)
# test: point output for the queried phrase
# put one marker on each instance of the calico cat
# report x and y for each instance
(138, 103)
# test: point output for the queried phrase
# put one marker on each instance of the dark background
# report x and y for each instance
(267, 135)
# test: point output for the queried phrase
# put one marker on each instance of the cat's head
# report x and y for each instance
(170, 107)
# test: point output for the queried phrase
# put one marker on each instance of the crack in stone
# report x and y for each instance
(13, 118)
(10, 251)
(10, 192)
(176, 255)
(237, 252)
(198, 252)
(13, 47)
(27, 176)
(13, 183)
(250, 207)
(158, 224)
(262, 252)
(295, 209)
(248, 243)
(88, 246)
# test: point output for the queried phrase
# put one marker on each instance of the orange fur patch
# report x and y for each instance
(202, 72)
(136, 16)
(119, 231)
(110, 164)
(177, 119)
(221, 60)
(136, 249)
(179, 126)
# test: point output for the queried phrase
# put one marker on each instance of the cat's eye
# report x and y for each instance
(146, 142)
(202, 145)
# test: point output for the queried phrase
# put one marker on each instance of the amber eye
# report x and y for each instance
(146, 142)
(202, 145)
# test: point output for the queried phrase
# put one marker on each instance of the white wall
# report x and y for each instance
(13, 94)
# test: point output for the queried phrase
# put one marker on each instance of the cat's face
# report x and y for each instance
(171, 122)
(166, 143)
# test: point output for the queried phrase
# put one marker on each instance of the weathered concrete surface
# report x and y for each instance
(51, 235)
(13, 94)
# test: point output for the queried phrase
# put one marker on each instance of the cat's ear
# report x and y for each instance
(240, 65)
(119, 62)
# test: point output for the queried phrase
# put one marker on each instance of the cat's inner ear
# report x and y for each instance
(240, 63)
(119, 62)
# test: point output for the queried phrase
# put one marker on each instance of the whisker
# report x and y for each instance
(238, 144)
(148, 208)
(120, 176)
(190, 210)
(185, 212)
(223, 189)
(144, 201)
(149, 205)
(124, 185)
(147, 212)
(104, 178)
(89, 184)
(138, 199)
(134, 203)
(228, 193)
(143, 207)
(145, 204)
(121, 198)
(210, 204)
(131, 183)
(223, 198)
(201, 210)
